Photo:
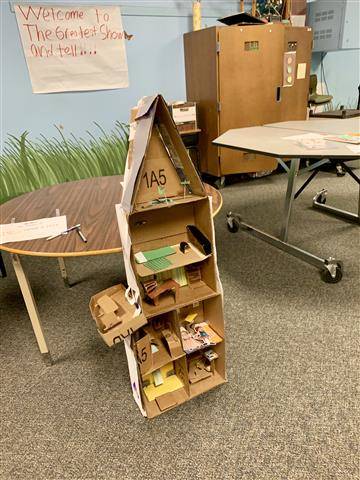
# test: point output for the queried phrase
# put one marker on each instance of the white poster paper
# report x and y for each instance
(73, 48)
(32, 230)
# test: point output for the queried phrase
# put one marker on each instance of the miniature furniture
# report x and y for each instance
(166, 228)
(169, 285)
(239, 76)
(272, 140)
(91, 202)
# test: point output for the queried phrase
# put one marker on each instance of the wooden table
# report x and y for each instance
(90, 202)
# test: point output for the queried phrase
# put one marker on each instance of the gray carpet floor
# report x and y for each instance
(289, 410)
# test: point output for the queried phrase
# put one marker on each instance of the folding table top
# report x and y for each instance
(272, 139)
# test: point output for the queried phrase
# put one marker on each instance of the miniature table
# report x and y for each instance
(90, 202)
(272, 140)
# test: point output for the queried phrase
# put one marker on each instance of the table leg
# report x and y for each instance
(31, 307)
(319, 201)
(2, 267)
(290, 193)
(63, 271)
(331, 269)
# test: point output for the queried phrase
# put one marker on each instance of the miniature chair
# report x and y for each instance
(316, 99)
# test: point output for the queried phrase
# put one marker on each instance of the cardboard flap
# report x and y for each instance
(144, 106)
(112, 326)
(137, 148)
(166, 401)
(107, 304)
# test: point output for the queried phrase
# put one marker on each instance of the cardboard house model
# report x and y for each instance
(167, 234)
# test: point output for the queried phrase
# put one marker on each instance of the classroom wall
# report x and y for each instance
(155, 61)
(156, 64)
(342, 68)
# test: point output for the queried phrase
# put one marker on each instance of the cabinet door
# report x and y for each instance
(250, 77)
(250, 72)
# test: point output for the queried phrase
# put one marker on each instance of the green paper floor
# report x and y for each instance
(289, 410)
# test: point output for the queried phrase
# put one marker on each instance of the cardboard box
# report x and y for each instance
(114, 316)
(184, 115)
(162, 196)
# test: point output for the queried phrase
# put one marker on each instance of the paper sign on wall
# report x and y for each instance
(72, 48)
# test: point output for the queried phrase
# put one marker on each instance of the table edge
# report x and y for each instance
(79, 254)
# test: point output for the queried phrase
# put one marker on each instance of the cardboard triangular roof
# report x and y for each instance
(156, 153)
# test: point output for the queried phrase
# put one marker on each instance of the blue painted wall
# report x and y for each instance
(342, 68)
(156, 64)
(155, 61)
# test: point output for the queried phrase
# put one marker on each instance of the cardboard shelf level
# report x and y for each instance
(152, 408)
(158, 363)
(140, 207)
(187, 295)
(182, 396)
(177, 259)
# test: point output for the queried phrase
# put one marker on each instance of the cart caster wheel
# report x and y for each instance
(328, 278)
(233, 224)
(219, 183)
(321, 199)
(340, 171)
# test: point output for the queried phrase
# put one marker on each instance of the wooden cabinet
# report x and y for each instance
(237, 75)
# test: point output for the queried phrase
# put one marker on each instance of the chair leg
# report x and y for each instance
(2, 267)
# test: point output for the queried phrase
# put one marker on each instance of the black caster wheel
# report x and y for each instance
(321, 199)
(340, 171)
(233, 224)
(328, 278)
(219, 183)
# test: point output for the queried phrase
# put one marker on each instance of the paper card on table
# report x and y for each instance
(33, 229)
(312, 141)
(354, 148)
(304, 136)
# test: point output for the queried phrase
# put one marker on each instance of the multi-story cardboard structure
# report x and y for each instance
(166, 229)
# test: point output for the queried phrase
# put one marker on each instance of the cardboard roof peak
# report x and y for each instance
(150, 166)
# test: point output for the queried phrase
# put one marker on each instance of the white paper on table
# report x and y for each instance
(32, 229)
(304, 136)
(354, 148)
(312, 141)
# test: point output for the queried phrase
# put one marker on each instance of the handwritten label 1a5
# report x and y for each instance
(157, 178)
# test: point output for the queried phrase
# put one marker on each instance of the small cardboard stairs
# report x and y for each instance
(175, 346)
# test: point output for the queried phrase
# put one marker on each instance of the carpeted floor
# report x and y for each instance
(289, 409)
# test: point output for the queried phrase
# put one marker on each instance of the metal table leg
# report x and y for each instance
(31, 307)
(290, 193)
(2, 267)
(319, 201)
(330, 268)
(63, 271)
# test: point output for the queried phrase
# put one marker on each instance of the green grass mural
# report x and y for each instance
(27, 165)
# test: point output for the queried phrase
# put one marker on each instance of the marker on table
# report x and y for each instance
(70, 229)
